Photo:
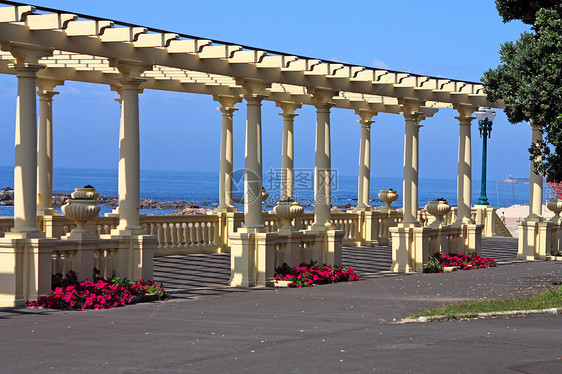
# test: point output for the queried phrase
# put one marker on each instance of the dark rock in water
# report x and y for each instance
(60, 198)
(344, 206)
(6, 189)
(237, 200)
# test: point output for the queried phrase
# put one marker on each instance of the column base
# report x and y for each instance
(322, 226)
(225, 209)
(128, 231)
(114, 213)
(24, 235)
(463, 221)
(47, 212)
(251, 229)
(408, 224)
(365, 208)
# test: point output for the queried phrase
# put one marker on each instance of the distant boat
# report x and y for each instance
(513, 180)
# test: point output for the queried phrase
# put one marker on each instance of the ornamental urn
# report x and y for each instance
(438, 208)
(555, 205)
(388, 197)
(81, 207)
(264, 196)
(287, 211)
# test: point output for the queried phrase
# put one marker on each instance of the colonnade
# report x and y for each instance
(33, 159)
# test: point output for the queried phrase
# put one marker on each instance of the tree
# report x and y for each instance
(524, 10)
(529, 78)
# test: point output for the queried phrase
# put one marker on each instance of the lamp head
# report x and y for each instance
(485, 114)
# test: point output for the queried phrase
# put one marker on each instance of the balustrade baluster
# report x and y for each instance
(185, 230)
(173, 235)
(192, 237)
(166, 229)
(198, 236)
(160, 233)
(179, 235)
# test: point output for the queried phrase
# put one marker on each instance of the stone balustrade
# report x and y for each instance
(205, 233)
(184, 234)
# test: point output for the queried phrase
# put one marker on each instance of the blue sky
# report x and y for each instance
(180, 131)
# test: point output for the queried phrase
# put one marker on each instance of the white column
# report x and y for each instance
(322, 168)
(25, 170)
(45, 152)
(287, 149)
(464, 177)
(129, 159)
(411, 154)
(535, 181)
(226, 157)
(364, 174)
(253, 173)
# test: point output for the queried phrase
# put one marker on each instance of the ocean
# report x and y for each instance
(202, 187)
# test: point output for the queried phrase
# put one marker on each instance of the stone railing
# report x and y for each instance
(272, 249)
(350, 224)
(184, 234)
(413, 246)
(27, 265)
(487, 216)
(111, 257)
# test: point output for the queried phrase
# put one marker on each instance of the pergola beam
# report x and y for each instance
(230, 61)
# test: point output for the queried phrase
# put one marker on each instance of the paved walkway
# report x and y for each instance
(194, 276)
(347, 327)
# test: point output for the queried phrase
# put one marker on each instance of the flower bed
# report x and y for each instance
(460, 261)
(68, 293)
(308, 275)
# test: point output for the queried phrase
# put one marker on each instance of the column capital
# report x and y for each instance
(26, 70)
(410, 105)
(414, 118)
(322, 97)
(26, 53)
(48, 84)
(365, 117)
(288, 108)
(465, 110)
(129, 68)
(227, 103)
(253, 88)
(45, 95)
(464, 120)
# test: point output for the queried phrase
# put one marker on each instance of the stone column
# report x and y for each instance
(45, 148)
(364, 175)
(464, 178)
(25, 171)
(129, 159)
(535, 181)
(322, 168)
(226, 157)
(411, 154)
(253, 163)
(287, 149)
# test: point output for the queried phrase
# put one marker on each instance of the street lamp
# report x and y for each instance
(485, 117)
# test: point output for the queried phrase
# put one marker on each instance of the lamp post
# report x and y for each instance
(485, 118)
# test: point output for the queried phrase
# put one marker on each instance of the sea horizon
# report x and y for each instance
(202, 187)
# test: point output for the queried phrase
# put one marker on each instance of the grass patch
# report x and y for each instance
(550, 298)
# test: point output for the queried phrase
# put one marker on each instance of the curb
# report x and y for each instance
(483, 315)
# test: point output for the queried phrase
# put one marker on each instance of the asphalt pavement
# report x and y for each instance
(349, 327)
